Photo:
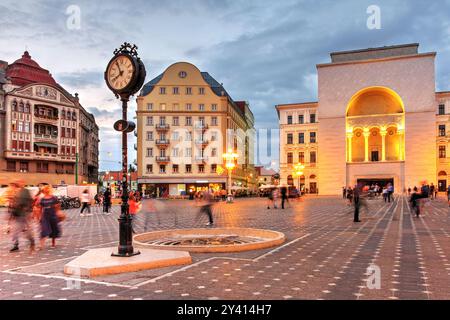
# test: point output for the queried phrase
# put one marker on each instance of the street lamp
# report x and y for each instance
(298, 172)
(230, 159)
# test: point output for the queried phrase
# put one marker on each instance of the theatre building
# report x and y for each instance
(378, 119)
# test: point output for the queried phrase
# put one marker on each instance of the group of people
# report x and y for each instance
(430, 189)
(274, 196)
(24, 210)
(101, 199)
(374, 190)
(420, 198)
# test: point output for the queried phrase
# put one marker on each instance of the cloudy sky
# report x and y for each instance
(264, 52)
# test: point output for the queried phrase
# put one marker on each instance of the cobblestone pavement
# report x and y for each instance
(325, 256)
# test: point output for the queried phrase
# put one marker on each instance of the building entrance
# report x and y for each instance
(381, 182)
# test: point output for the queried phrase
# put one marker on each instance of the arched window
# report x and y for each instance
(290, 180)
(312, 177)
(27, 108)
(63, 114)
(74, 116)
(14, 105)
(442, 173)
(20, 106)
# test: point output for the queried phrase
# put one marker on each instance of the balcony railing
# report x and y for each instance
(45, 116)
(162, 127)
(162, 142)
(201, 141)
(162, 159)
(202, 126)
(46, 137)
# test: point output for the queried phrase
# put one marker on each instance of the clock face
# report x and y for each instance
(120, 72)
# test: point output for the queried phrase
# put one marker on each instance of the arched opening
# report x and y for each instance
(442, 174)
(290, 180)
(375, 121)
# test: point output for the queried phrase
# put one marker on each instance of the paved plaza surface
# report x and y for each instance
(325, 256)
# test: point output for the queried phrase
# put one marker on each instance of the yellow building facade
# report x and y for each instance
(379, 120)
(185, 122)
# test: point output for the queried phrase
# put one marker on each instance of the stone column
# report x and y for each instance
(400, 133)
(383, 144)
(366, 134)
(349, 147)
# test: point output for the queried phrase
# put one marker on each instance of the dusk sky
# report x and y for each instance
(264, 52)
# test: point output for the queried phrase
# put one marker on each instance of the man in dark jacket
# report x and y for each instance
(106, 201)
(283, 196)
(20, 212)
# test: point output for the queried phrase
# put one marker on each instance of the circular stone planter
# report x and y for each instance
(210, 240)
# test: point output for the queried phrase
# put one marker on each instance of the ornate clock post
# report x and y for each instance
(125, 75)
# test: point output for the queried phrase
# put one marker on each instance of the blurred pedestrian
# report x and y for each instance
(149, 209)
(284, 197)
(415, 201)
(206, 206)
(49, 220)
(270, 199)
(106, 201)
(85, 203)
(20, 215)
(134, 207)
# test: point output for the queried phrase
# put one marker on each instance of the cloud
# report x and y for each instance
(263, 51)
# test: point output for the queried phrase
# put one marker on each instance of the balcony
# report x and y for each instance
(162, 127)
(45, 138)
(163, 143)
(164, 159)
(201, 158)
(201, 126)
(202, 142)
(42, 118)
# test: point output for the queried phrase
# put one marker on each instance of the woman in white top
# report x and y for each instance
(85, 202)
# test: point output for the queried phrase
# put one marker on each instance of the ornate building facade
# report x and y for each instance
(185, 122)
(42, 133)
(379, 120)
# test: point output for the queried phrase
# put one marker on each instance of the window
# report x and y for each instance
(201, 168)
(162, 90)
(162, 168)
(301, 157)
(201, 90)
(149, 168)
(188, 90)
(175, 136)
(289, 138)
(201, 121)
(201, 107)
(312, 157)
(213, 168)
(188, 136)
(214, 121)
(149, 135)
(188, 152)
(312, 137)
(301, 119)
(442, 153)
(289, 120)
(188, 168)
(149, 121)
(23, 166)
(149, 106)
(10, 165)
(312, 118)
(149, 152)
(175, 152)
(27, 108)
(162, 106)
(175, 90)
(442, 109)
(189, 121)
(301, 137)
(188, 106)
(175, 168)
(175, 107)
(289, 158)
(214, 152)
(27, 127)
(42, 167)
(214, 107)
(176, 121)
(162, 121)
(442, 130)
(213, 136)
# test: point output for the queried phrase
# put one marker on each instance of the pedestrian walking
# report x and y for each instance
(107, 201)
(134, 207)
(385, 194)
(415, 201)
(85, 203)
(344, 192)
(409, 191)
(270, 199)
(49, 222)
(275, 195)
(21, 208)
(206, 206)
(349, 194)
(284, 197)
(448, 195)
(432, 191)
(359, 202)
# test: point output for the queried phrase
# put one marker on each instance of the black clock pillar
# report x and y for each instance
(132, 85)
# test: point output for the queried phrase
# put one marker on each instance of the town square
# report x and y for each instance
(244, 151)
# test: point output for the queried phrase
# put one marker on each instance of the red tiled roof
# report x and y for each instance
(25, 71)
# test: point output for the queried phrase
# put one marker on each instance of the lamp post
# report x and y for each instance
(298, 172)
(230, 158)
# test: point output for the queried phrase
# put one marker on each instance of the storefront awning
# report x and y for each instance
(46, 145)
